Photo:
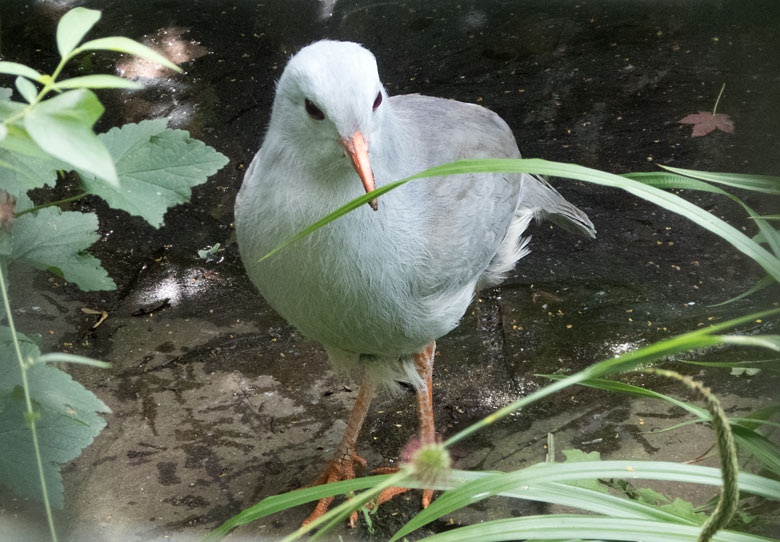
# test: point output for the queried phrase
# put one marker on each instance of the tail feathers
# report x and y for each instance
(548, 204)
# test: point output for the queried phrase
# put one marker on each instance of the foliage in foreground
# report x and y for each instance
(625, 517)
(46, 418)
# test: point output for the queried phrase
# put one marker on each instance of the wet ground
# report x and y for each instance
(217, 402)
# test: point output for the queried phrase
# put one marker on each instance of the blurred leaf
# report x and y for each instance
(26, 89)
(53, 239)
(765, 451)
(14, 68)
(558, 526)
(768, 280)
(68, 422)
(72, 28)
(126, 45)
(761, 414)
(577, 456)
(5, 93)
(684, 509)
(72, 358)
(97, 81)
(62, 126)
(19, 173)
(157, 168)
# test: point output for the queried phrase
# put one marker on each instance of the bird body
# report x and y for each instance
(377, 286)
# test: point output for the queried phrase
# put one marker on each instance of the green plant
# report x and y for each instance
(46, 418)
(620, 518)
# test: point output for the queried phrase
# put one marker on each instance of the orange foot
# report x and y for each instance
(336, 471)
(391, 492)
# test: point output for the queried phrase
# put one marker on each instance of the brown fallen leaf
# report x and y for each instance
(705, 122)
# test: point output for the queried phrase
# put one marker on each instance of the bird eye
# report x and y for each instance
(314, 111)
(378, 100)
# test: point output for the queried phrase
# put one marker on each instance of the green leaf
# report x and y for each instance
(768, 280)
(577, 527)
(72, 28)
(57, 240)
(62, 126)
(14, 68)
(157, 168)
(3, 132)
(5, 93)
(97, 81)
(126, 45)
(26, 89)
(67, 422)
(759, 183)
(19, 173)
(537, 166)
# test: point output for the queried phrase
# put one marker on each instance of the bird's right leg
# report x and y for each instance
(342, 466)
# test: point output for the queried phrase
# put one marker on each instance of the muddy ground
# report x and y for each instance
(217, 402)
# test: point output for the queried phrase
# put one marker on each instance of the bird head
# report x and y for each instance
(330, 104)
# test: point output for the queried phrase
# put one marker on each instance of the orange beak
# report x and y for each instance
(358, 152)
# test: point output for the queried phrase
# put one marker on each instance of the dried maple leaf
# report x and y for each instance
(704, 122)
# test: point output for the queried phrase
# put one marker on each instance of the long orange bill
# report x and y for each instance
(358, 153)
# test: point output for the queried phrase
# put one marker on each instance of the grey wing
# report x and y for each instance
(467, 216)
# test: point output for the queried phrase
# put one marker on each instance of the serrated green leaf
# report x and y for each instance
(62, 126)
(57, 240)
(157, 168)
(18, 174)
(14, 68)
(578, 456)
(126, 45)
(26, 89)
(72, 28)
(67, 421)
(651, 497)
(97, 81)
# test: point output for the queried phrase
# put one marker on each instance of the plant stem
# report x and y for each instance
(28, 401)
(51, 203)
(714, 109)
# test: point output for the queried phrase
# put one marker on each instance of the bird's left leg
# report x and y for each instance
(342, 467)
(423, 361)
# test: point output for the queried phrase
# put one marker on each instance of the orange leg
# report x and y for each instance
(423, 360)
(342, 466)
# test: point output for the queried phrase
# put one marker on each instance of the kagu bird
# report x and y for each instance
(378, 286)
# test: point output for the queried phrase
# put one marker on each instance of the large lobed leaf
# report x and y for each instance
(57, 240)
(157, 168)
(68, 421)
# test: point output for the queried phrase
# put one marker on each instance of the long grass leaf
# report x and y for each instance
(500, 483)
(768, 184)
(667, 200)
(583, 527)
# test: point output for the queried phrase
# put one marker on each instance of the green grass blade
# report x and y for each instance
(667, 200)
(560, 526)
(695, 339)
(758, 183)
(768, 280)
(72, 358)
(478, 489)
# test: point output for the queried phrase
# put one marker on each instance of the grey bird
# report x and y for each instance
(378, 286)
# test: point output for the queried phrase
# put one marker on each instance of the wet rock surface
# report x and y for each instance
(217, 402)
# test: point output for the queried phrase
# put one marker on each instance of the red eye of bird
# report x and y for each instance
(313, 111)
(378, 100)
